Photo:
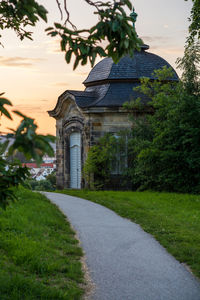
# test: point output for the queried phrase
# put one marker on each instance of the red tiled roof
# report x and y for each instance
(34, 165)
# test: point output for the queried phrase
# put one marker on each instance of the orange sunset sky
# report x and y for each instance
(34, 73)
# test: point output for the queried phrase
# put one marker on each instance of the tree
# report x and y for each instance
(164, 152)
(194, 28)
(190, 66)
(170, 160)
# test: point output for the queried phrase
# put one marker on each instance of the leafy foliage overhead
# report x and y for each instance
(114, 28)
(17, 15)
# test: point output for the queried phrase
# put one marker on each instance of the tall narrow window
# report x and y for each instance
(119, 162)
(75, 160)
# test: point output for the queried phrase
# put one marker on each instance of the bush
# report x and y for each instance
(52, 178)
(42, 185)
(97, 167)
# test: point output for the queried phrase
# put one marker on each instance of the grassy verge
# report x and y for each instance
(173, 219)
(39, 256)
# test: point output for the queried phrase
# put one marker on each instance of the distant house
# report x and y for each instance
(39, 176)
(3, 139)
(40, 172)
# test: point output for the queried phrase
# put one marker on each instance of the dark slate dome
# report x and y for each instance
(110, 85)
(142, 64)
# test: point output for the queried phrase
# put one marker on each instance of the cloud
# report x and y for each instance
(60, 84)
(29, 47)
(30, 109)
(163, 44)
(53, 46)
(155, 38)
(178, 51)
(82, 73)
(18, 61)
(174, 50)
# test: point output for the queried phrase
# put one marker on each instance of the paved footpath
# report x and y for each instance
(125, 263)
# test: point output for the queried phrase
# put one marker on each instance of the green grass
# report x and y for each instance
(39, 255)
(173, 219)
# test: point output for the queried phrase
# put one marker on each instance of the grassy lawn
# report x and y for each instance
(173, 219)
(39, 256)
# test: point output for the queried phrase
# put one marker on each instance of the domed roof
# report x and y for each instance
(110, 85)
(142, 64)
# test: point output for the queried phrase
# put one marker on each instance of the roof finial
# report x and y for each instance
(134, 15)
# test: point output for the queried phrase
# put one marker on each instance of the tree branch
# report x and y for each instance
(59, 7)
(68, 16)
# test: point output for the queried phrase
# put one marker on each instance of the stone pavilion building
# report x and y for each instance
(82, 117)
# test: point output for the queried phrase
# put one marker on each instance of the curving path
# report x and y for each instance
(125, 263)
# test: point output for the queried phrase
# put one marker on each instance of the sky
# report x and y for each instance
(34, 73)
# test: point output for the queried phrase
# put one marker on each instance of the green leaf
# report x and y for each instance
(68, 55)
(128, 3)
(19, 113)
(76, 62)
(3, 147)
(53, 33)
(5, 101)
(63, 42)
(42, 12)
(49, 28)
(58, 26)
(3, 110)
(101, 51)
(126, 43)
(115, 26)
(84, 61)
(83, 49)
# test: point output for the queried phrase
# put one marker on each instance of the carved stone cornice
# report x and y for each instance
(73, 120)
(63, 102)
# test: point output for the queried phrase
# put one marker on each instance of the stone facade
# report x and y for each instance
(91, 123)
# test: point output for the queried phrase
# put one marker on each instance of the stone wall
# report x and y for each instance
(92, 124)
(101, 122)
